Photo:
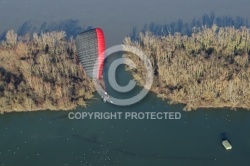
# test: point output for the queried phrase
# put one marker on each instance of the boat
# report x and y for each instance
(226, 144)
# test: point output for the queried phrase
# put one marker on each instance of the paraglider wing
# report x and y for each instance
(90, 49)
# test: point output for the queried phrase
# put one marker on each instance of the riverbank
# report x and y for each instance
(210, 68)
(41, 72)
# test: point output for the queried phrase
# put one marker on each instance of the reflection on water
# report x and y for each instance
(50, 138)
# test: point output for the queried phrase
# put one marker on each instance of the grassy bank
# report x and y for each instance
(41, 72)
(210, 68)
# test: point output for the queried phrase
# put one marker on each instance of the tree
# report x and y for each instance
(11, 37)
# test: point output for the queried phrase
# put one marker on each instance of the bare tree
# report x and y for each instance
(11, 37)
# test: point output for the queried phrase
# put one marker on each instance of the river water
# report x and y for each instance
(51, 138)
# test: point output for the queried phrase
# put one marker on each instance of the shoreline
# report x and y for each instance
(198, 106)
(43, 72)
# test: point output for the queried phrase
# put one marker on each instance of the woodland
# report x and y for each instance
(209, 68)
(41, 72)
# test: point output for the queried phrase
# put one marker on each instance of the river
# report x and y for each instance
(51, 138)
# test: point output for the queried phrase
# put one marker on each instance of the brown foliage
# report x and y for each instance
(38, 73)
(208, 69)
